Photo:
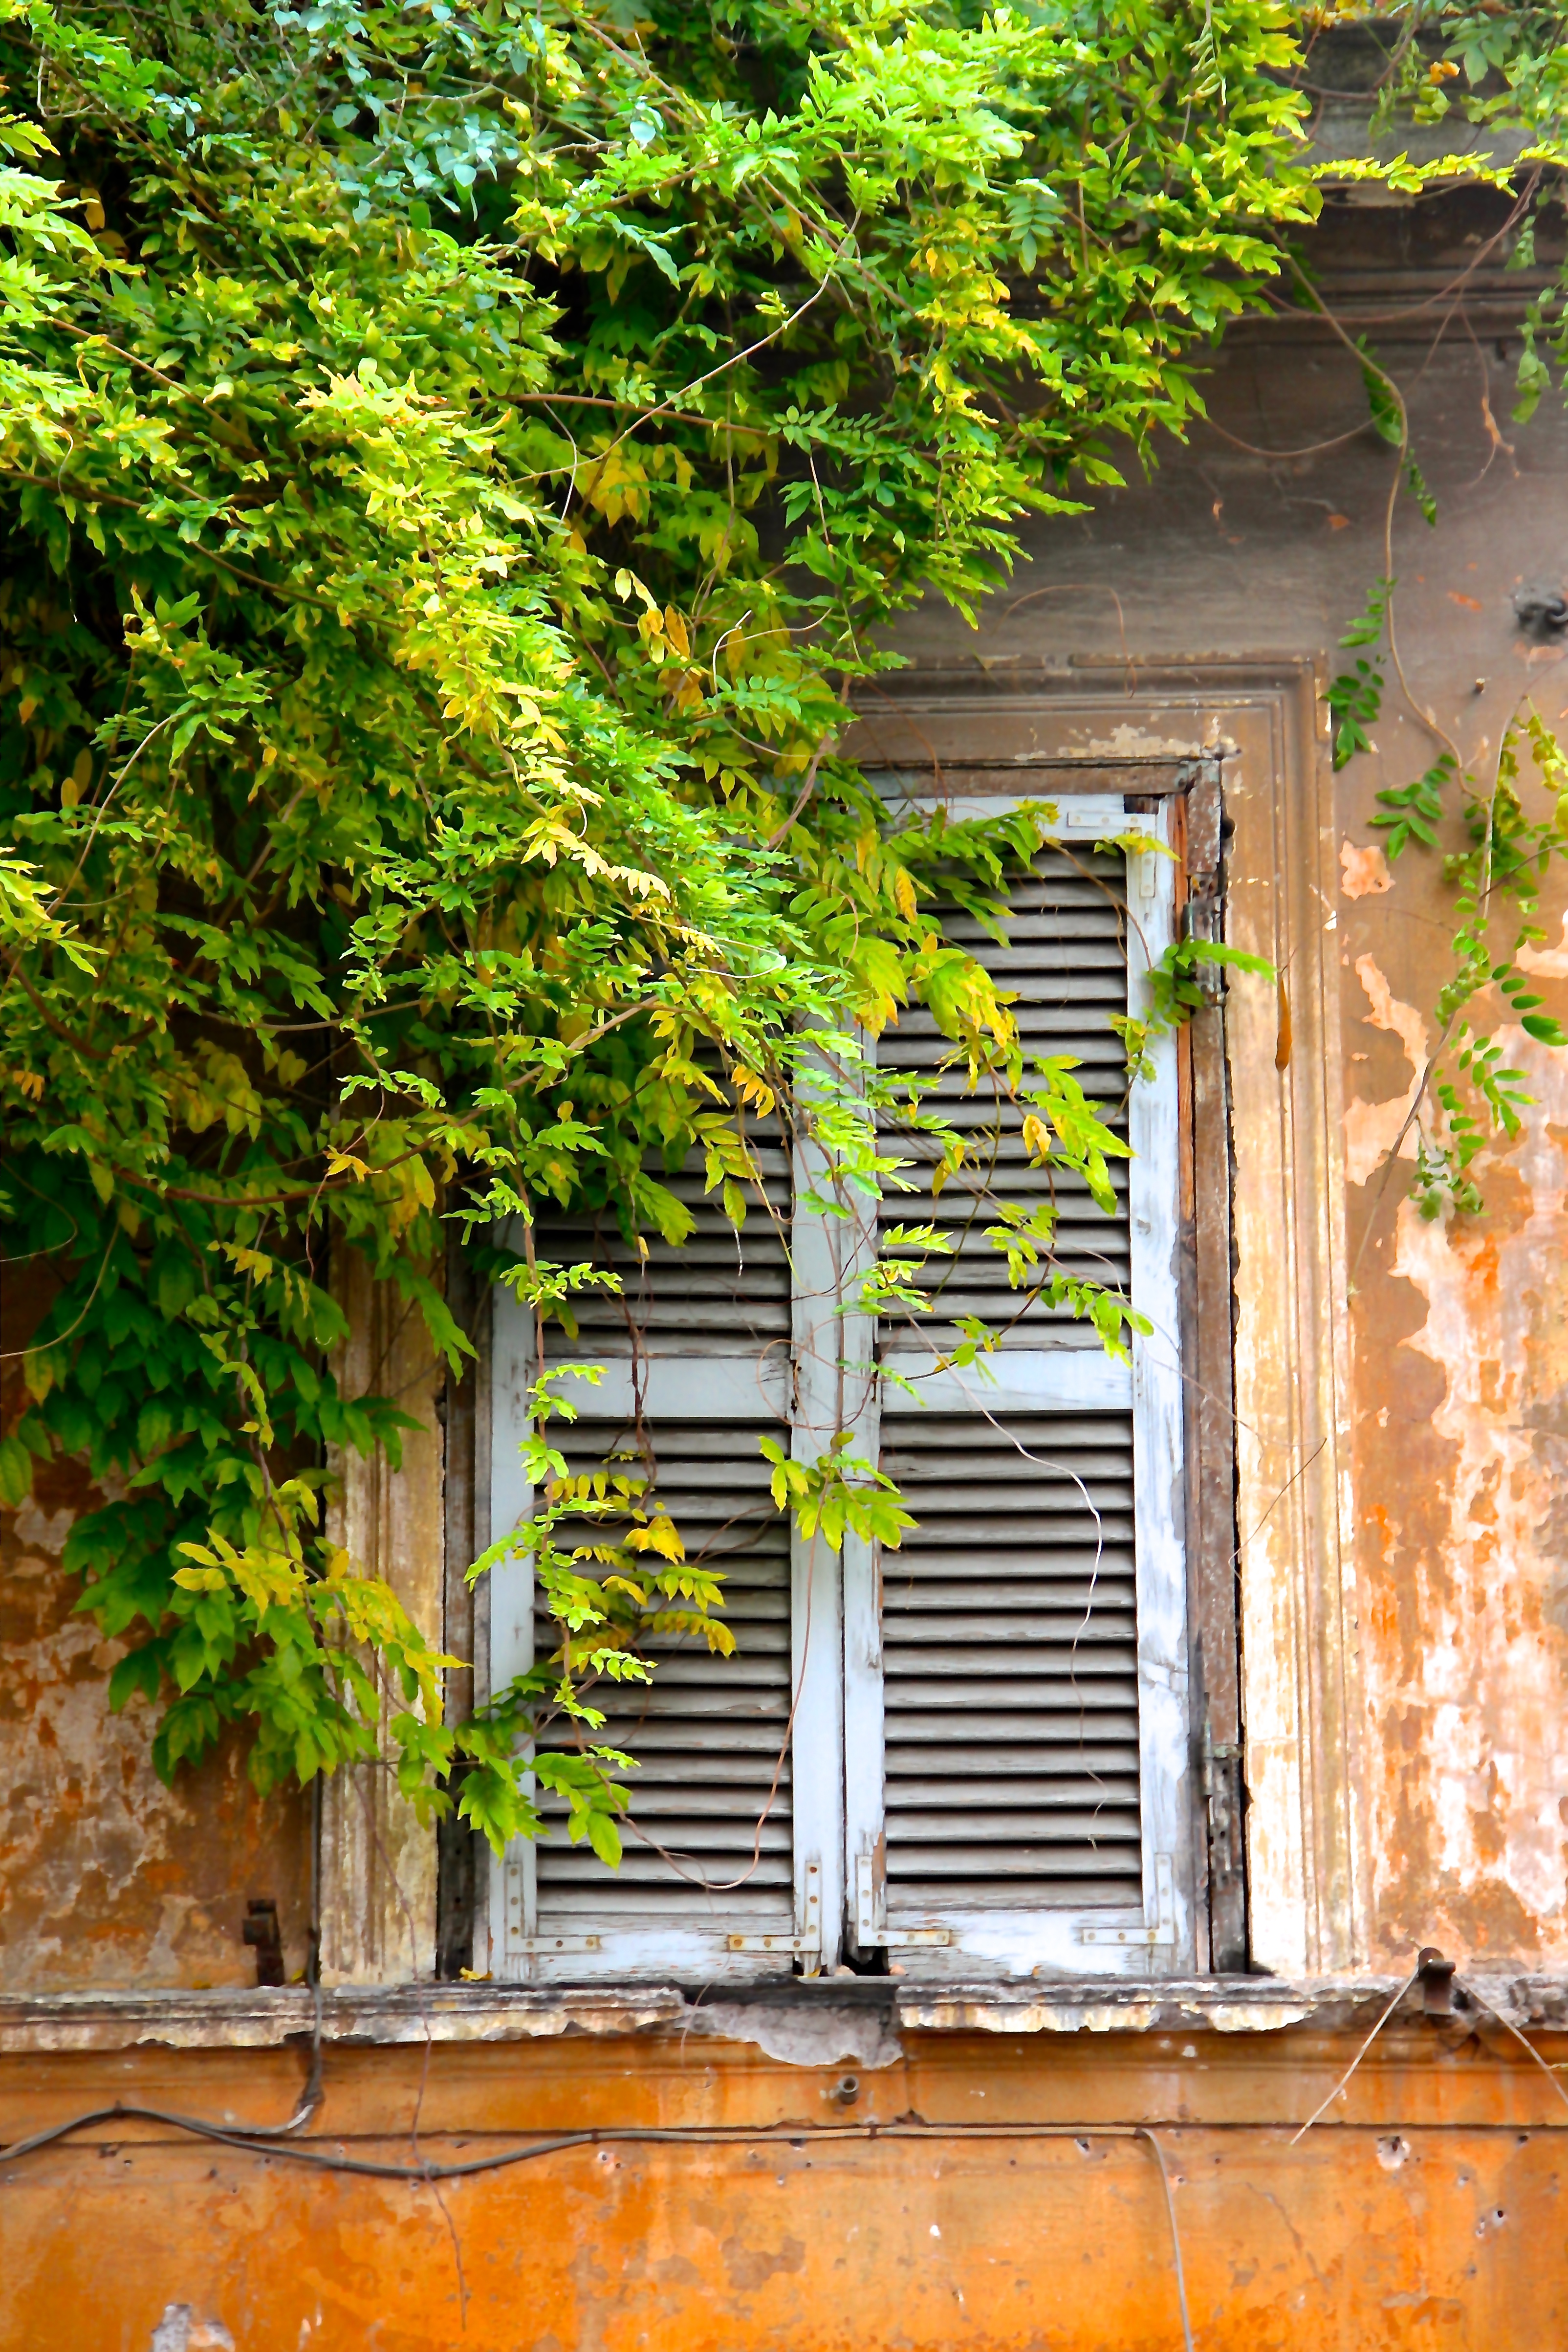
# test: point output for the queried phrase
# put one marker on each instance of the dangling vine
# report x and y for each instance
(1505, 68)
(456, 464)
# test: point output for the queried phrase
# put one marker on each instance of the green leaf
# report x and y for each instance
(605, 1838)
(16, 1471)
(174, 1280)
(138, 1671)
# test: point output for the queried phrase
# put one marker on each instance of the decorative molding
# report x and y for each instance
(80, 2023)
(1300, 1661)
(1263, 719)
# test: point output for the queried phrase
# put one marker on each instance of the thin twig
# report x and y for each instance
(1145, 2133)
(1528, 2047)
(1356, 2062)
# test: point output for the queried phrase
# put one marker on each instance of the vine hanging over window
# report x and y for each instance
(455, 465)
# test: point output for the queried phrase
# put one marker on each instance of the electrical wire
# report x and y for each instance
(1528, 2048)
(1145, 2133)
(267, 2141)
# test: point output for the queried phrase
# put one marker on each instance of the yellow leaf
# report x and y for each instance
(753, 1090)
(248, 1261)
(659, 1535)
(201, 1580)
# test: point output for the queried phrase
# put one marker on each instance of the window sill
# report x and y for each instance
(793, 2019)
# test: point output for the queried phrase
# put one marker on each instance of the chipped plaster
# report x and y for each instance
(1372, 1129)
(107, 1877)
(1466, 1663)
(1364, 871)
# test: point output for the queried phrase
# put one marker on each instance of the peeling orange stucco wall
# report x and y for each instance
(106, 1878)
(1428, 2210)
(1463, 1490)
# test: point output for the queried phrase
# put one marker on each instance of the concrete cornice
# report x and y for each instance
(788, 2010)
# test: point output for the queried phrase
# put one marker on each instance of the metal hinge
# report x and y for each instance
(1164, 1929)
(802, 1947)
(523, 1947)
(1216, 1785)
(871, 1931)
(807, 1945)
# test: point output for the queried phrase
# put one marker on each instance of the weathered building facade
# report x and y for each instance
(863, 2096)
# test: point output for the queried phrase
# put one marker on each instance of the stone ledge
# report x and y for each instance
(373, 2014)
(1207, 2004)
(796, 2015)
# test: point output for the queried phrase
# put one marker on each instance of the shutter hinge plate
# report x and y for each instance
(872, 1929)
(1164, 1929)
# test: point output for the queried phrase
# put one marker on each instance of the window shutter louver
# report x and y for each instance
(695, 1351)
(1024, 1674)
(1066, 958)
(707, 1838)
(1010, 1666)
(969, 1750)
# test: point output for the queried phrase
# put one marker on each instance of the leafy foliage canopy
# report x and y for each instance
(455, 461)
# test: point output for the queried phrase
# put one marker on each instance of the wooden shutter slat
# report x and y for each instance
(1009, 1657)
(708, 1731)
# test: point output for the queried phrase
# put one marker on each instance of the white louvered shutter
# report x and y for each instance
(1016, 1671)
(969, 1750)
(717, 1878)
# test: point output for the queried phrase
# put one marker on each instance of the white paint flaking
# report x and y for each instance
(1487, 1678)
(179, 2330)
(1371, 1129)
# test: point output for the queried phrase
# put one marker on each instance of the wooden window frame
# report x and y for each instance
(1276, 1666)
(1267, 1490)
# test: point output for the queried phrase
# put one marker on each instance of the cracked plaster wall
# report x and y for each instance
(1456, 1463)
(106, 1878)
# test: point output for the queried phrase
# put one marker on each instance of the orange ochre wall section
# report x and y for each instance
(1426, 2208)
